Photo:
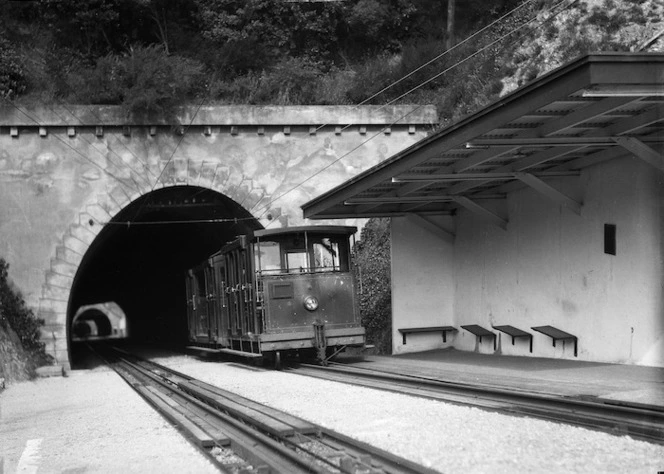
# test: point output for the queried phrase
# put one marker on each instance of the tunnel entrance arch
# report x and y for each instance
(139, 258)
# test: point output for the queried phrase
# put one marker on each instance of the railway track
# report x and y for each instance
(240, 435)
(644, 422)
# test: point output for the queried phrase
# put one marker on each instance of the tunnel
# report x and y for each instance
(139, 259)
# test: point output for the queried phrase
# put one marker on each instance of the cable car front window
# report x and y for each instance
(297, 262)
(326, 255)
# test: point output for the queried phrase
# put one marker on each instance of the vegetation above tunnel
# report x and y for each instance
(150, 56)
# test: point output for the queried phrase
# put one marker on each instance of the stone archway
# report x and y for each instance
(55, 302)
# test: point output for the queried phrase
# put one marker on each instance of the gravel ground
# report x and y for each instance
(90, 422)
(445, 437)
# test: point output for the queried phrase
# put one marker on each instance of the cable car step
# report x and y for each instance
(252, 355)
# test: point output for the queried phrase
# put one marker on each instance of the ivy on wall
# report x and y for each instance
(371, 257)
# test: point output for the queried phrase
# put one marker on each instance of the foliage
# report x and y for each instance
(15, 314)
(145, 81)
(371, 258)
(12, 76)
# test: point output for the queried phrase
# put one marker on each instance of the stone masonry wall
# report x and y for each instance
(66, 171)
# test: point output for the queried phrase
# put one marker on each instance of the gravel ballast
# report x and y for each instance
(438, 435)
(89, 422)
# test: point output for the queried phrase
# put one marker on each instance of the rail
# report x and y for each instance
(640, 421)
(268, 440)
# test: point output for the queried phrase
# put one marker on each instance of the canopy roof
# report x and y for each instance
(596, 108)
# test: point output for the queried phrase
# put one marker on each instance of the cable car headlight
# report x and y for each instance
(311, 303)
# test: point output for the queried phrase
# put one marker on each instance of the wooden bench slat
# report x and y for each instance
(557, 335)
(443, 329)
(515, 333)
(480, 332)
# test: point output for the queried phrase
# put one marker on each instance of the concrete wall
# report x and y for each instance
(66, 171)
(422, 281)
(549, 268)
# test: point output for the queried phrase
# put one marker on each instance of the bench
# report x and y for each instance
(557, 335)
(480, 332)
(515, 333)
(443, 329)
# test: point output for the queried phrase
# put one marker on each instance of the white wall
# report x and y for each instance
(422, 283)
(549, 268)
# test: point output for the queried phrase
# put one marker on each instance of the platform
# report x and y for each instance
(562, 377)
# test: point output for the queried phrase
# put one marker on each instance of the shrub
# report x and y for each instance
(15, 314)
(12, 77)
(371, 257)
(145, 81)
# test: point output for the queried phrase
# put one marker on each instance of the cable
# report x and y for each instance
(102, 153)
(68, 145)
(77, 95)
(268, 205)
(192, 221)
(184, 132)
(481, 50)
(419, 68)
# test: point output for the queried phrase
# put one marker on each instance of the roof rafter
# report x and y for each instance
(643, 151)
(481, 211)
(549, 191)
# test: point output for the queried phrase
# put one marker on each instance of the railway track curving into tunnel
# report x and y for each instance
(240, 435)
(640, 421)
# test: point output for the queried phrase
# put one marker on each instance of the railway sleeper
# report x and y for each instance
(251, 412)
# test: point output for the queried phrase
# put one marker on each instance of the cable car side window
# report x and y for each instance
(269, 258)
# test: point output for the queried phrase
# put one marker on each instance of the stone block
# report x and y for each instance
(63, 268)
(51, 371)
(74, 244)
(68, 255)
(62, 281)
(82, 232)
(57, 306)
(55, 292)
(98, 213)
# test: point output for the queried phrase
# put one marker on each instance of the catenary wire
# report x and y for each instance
(78, 152)
(271, 202)
(94, 113)
(431, 61)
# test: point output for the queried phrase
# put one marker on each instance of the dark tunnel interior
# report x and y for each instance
(141, 265)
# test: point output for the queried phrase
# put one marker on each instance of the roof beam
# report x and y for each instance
(587, 140)
(629, 124)
(625, 90)
(481, 211)
(442, 177)
(481, 157)
(549, 191)
(525, 163)
(435, 229)
(643, 151)
(376, 201)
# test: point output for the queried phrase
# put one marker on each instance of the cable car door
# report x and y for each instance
(240, 292)
(199, 314)
(218, 317)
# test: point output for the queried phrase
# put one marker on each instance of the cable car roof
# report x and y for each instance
(327, 229)
(596, 108)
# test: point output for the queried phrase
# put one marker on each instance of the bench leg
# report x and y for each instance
(404, 339)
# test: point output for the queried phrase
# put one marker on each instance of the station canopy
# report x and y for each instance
(596, 108)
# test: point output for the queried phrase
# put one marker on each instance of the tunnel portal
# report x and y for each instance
(139, 259)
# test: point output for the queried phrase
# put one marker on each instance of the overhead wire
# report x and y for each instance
(65, 142)
(146, 200)
(271, 202)
(433, 60)
(94, 113)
